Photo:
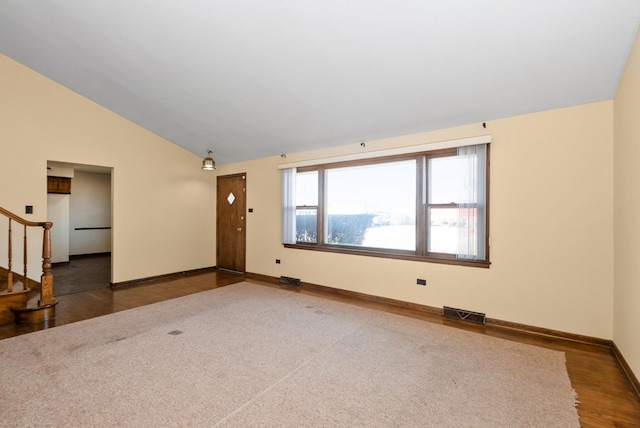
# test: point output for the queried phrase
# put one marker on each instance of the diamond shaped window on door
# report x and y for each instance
(231, 198)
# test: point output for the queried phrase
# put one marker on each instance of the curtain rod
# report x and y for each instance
(462, 142)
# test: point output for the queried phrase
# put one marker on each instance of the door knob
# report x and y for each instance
(239, 229)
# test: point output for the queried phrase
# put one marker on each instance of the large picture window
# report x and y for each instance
(429, 206)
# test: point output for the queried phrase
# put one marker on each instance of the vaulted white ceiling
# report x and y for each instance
(255, 78)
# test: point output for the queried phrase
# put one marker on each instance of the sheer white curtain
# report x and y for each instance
(289, 206)
(472, 207)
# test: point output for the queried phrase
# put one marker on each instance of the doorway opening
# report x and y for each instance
(81, 236)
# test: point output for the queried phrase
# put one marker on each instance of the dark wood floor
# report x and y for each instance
(606, 397)
(82, 273)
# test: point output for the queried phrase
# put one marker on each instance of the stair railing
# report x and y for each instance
(46, 279)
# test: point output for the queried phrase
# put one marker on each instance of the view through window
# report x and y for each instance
(372, 205)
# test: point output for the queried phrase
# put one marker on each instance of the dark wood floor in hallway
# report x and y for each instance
(82, 273)
(605, 395)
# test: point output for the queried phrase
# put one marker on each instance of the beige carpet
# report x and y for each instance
(250, 355)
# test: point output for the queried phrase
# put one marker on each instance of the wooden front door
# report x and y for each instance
(231, 220)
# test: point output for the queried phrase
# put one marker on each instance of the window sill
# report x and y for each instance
(392, 255)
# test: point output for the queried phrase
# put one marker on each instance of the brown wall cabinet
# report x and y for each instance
(59, 185)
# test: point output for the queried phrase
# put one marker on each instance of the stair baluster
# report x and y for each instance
(24, 240)
(10, 273)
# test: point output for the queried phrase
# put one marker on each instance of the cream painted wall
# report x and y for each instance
(90, 206)
(551, 226)
(163, 211)
(58, 213)
(626, 327)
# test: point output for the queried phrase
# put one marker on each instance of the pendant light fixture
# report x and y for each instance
(208, 164)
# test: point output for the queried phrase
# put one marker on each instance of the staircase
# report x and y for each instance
(23, 300)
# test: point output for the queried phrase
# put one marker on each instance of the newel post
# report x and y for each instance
(46, 280)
